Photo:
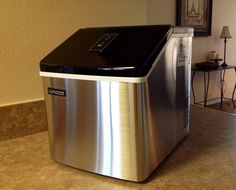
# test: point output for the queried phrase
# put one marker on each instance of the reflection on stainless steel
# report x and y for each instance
(120, 129)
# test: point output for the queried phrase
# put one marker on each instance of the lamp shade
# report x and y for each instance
(225, 32)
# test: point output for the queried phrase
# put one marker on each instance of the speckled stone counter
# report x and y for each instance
(206, 159)
(22, 119)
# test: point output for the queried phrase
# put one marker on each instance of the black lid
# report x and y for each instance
(108, 51)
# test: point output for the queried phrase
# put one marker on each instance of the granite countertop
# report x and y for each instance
(206, 159)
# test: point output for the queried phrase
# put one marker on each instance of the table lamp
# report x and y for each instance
(225, 34)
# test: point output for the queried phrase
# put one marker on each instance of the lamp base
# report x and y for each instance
(224, 65)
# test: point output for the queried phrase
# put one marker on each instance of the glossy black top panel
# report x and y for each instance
(108, 51)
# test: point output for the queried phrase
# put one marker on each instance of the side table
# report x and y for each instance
(207, 73)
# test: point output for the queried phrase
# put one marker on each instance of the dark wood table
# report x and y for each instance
(207, 73)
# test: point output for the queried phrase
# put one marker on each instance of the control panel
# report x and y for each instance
(103, 42)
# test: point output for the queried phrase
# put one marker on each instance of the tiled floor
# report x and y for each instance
(226, 107)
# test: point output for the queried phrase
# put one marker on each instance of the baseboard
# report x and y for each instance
(212, 101)
(22, 119)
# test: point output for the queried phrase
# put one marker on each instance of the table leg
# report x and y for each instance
(206, 87)
(233, 94)
(234, 90)
(194, 100)
(222, 79)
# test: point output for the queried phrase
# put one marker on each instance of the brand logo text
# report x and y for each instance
(56, 92)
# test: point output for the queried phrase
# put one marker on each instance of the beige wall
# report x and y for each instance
(29, 29)
(163, 11)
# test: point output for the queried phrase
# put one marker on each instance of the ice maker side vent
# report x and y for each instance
(186, 112)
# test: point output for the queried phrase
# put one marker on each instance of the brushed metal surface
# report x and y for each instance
(119, 129)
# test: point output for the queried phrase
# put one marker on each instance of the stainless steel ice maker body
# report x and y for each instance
(119, 126)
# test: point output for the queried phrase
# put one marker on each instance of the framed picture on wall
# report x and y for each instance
(196, 14)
